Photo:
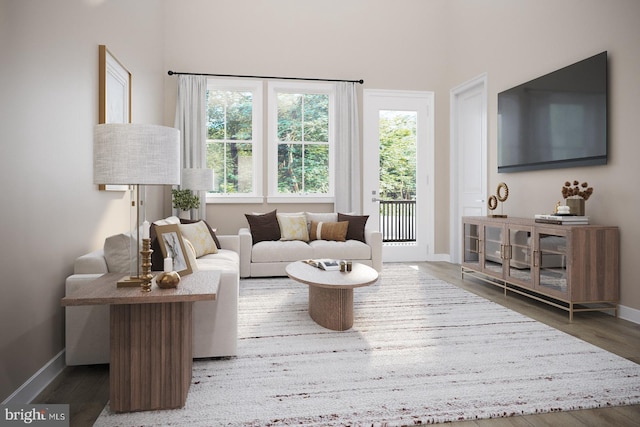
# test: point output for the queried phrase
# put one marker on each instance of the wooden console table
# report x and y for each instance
(571, 267)
(151, 338)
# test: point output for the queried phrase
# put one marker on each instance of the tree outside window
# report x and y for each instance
(231, 138)
(303, 139)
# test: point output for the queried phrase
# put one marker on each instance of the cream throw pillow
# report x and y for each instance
(198, 234)
(293, 227)
(191, 254)
(120, 253)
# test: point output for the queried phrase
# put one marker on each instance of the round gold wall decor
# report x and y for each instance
(502, 188)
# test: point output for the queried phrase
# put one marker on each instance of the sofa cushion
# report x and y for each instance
(211, 230)
(120, 253)
(329, 230)
(356, 225)
(198, 234)
(293, 227)
(223, 254)
(321, 217)
(263, 227)
(351, 250)
(291, 250)
(224, 261)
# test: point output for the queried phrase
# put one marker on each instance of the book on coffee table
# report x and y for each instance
(324, 264)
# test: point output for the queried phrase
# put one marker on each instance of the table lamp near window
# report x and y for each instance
(137, 155)
(197, 179)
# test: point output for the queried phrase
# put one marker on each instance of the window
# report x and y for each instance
(234, 142)
(301, 142)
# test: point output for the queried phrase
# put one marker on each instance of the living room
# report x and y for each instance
(50, 64)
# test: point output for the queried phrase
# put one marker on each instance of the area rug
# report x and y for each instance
(420, 351)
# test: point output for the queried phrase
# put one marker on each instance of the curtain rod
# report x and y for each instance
(171, 73)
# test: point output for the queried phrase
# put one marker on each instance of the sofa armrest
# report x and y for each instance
(246, 244)
(230, 242)
(373, 238)
(91, 263)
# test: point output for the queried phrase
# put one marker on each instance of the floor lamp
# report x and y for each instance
(138, 155)
(197, 179)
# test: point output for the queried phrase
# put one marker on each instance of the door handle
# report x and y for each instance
(373, 199)
(480, 201)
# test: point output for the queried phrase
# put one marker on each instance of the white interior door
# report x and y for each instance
(468, 162)
(398, 163)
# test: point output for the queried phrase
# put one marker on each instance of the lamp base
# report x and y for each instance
(129, 282)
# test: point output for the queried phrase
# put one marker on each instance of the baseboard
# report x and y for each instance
(439, 257)
(628, 313)
(38, 381)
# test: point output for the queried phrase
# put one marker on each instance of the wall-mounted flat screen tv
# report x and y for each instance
(558, 120)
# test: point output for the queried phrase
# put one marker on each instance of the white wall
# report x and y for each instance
(517, 41)
(48, 106)
(51, 211)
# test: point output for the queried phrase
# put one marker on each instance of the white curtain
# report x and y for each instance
(191, 121)
(348, 190)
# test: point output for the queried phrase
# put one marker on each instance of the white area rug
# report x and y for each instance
(420, 351)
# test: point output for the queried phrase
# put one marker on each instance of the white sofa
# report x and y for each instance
(215, 331)
(270, 257)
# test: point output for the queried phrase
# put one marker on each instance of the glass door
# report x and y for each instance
(551, 263)
(397, 163)
(471, 255)
(494, 247)
(520, 255)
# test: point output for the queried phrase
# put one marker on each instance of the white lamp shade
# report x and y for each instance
(197, 179)
(136, 154)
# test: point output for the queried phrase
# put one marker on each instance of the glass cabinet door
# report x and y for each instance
(493, 250)
(520, 255)
(552, 263)
(471, 249)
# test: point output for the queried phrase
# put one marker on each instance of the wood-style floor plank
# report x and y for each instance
(86, 388)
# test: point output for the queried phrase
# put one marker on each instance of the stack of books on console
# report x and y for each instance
(562, 219)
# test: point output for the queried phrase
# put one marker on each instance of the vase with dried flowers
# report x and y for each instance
(575, 195)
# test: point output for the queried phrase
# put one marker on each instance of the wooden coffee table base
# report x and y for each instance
(331, 292)
(331, 308)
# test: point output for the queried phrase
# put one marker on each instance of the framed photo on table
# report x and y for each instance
(172, 245)
(114, 96)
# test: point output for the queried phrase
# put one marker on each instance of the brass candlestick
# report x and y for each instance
(146, 276)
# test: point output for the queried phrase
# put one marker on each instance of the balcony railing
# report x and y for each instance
(398, 220)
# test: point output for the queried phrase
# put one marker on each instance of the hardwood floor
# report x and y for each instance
(86, 388)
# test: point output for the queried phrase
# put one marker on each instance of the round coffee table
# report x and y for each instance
(331, 292)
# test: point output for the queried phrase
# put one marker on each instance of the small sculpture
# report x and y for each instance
(166, 280)
(502, 193)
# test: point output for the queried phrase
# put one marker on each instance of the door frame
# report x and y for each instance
(425, 170)
(455, 227)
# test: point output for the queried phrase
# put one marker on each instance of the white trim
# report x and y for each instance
(628, 313)
(439, 258)
(299, 199)
(220, 199)
(373, 101)
(38, 381)
(272, 138)
(454, 205)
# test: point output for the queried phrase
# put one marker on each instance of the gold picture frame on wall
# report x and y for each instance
(114, 96)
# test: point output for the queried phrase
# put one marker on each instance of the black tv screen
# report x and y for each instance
(558, 120)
